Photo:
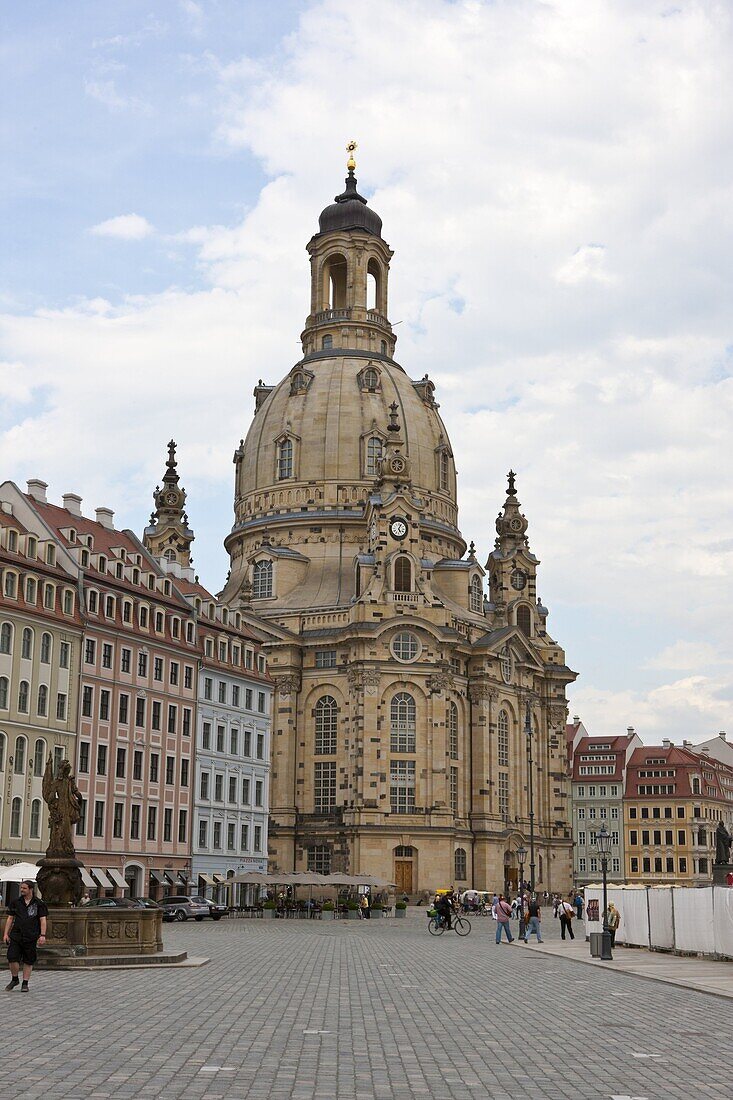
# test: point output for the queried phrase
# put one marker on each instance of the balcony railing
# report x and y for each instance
(332, 315)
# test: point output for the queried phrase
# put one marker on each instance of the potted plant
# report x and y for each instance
(327, 910)
(352, 910)
(268, 909)
(377, 909)
(400, 909)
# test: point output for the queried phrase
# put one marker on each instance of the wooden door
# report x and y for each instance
(403, 876)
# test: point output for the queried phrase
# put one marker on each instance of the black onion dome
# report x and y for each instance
(350, 211)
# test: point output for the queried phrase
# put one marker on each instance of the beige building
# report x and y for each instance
(402, 688)
(40, 647)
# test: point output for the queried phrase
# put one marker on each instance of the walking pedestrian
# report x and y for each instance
(613, 920)
(523, 917)
(366, 911)
(567, 912)
(535, 918)
(24, 929)
(503, 916)
(578, 903)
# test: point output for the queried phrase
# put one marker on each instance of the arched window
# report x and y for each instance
(383, 347)
(444, 469)
(402, 574)
(370, 379)
(298, 383)
(695, 785)
(26, 645)
(35, 827)
(10, 585)
(19, 756)
(3, 693)
(49, 597)
(451, 722)
(284, 459)
(6, 638)
(2, 752)
(16, 810)
(68, 601)
(170, 554)
(404, 851)
(476, 595)
(373, 455)
(402, 723)
(45, 649)
(334, 282)
(461, 872)
(524, 620)
(502, 739)
(39, 757)
(326, 343)
(262, 580)
(326, 726)
(23, 697)
(42, 707)
(30, 590)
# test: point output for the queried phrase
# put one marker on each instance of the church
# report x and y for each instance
(413, 686)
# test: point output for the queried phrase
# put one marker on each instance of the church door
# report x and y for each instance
(403, 876)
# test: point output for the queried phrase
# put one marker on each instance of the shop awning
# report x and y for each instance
(208, 879)
(117, 878)
(87, 879)
(102, 879)
(169, 879)
(184, 880)
(218, 877)
(157, 876)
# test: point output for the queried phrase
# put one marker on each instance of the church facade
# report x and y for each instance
(412, 685)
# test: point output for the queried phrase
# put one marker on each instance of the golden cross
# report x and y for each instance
(350, 149)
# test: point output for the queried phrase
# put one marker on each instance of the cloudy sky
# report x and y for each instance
(556, 179)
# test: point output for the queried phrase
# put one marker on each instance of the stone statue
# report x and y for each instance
(723, 841)
(63, 799)
(59, 878)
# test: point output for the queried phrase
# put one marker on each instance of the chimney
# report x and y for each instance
(576, 718)
(630, 731)
(722, 734)
(37, 490)
(667, 743)
(72, 503)
(687, 744)
(105, 516)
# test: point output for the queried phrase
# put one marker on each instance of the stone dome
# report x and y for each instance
(325, 407)
(350, 211)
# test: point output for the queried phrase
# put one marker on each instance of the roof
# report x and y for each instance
(349, 210)
(685, 764)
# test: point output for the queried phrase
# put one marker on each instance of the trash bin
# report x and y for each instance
(606, 946)
(595, 944)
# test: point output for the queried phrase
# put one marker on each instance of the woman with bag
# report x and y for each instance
(567, 912)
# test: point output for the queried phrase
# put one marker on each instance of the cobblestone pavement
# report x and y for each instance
(374, 1010)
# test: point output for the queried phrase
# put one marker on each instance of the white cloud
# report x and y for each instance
(107, 93)
(501, 144)
(125, 227)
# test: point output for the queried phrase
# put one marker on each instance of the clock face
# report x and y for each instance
(519, 579)
(397, 528)
(397, 465)
(171, 499)
(516, 525)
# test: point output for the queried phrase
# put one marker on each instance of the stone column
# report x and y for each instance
(285, 756)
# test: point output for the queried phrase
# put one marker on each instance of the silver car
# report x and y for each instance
(182, 906)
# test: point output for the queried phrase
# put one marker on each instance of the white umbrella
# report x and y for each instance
(18, 871)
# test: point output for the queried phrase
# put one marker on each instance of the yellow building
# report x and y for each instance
(402, 690)
(673, 802)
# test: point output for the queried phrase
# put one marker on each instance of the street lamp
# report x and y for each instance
(530, 791)
(603, 847)
(521, 856)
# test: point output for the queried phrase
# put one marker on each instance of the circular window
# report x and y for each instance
(405, 646)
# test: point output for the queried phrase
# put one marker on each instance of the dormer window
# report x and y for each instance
(12, 540)
(119, 570)
(85, 559)
(262, 580)
(298, 383)
(284, 459)
(102, 564)
(374, 454)
(209, 647)
(11, 585)
(136, 576)
(50, 554)
(167, 588)
(326, 343)
(32, 549)
(72, 535)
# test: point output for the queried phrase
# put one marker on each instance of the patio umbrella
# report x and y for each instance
(18, 871)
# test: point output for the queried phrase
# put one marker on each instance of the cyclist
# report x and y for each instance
(444, 906)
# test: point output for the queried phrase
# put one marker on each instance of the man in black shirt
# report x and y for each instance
(24, 928)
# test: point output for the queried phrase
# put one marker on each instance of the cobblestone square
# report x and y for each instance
(377, 1010)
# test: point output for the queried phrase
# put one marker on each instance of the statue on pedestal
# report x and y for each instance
(59, 879)
(723, 841)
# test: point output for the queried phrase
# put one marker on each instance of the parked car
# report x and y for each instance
(147, 903)
(182, 906)
(114, 903)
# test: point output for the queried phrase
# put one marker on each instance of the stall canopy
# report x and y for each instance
(18, 871)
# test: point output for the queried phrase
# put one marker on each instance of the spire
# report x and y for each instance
(168, 535)
(511, 525)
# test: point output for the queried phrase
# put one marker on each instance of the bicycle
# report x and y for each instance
(437, 925)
